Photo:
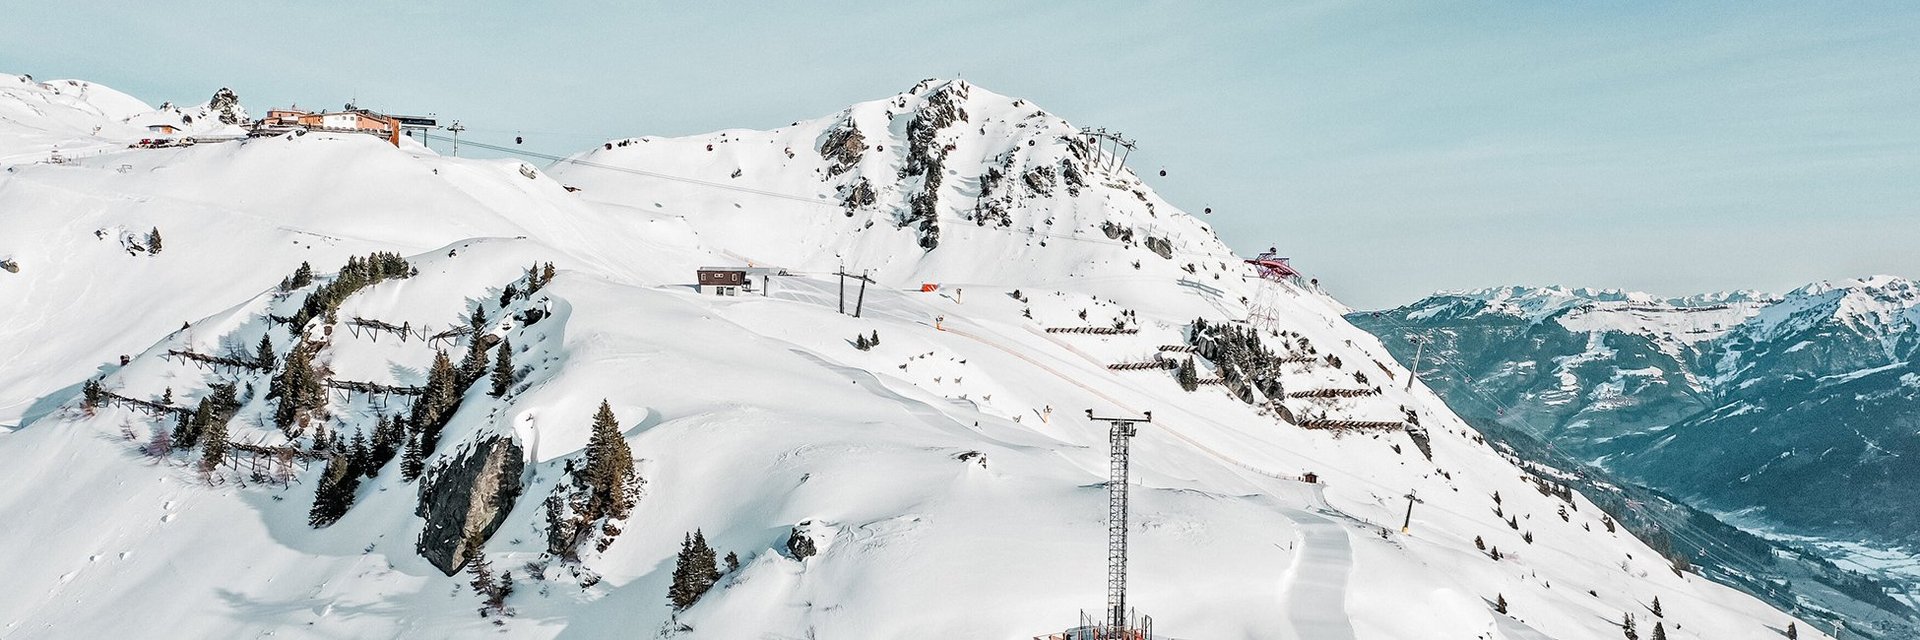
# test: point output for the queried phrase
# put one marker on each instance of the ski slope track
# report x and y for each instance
(946, 477)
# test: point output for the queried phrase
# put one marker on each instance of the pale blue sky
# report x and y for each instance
(1391, 148)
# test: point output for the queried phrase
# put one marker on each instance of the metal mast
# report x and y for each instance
(456, 129)
(1119, 436)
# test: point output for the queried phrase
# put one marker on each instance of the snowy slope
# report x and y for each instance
(67, 119)
(945, 473)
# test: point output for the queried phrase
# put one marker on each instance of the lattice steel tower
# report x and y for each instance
(1119, 436)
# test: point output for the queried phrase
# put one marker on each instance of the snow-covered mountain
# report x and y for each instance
(942, 482)
(64, 119)
(1796, 411)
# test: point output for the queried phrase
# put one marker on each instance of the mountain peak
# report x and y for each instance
(916, 186)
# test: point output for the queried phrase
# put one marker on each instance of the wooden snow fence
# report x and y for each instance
(1350, 425)
(204, 361)
(376, 391)
(1105, 331)
(150, 407)
(1335, 393)
(372, 329)
(278, 460)
(1178, 348)
(1149, 365)
(448, 336)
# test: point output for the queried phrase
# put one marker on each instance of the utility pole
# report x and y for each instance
(858, 302)
(1406, 526)
(1419, 347)
(1119, 436)
(861, 301)
(455, 130)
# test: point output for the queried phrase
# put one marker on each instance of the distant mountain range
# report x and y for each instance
(1798, 413)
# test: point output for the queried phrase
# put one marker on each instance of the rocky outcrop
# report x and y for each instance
(227, 105)
(860, 194)
(927, 157)
(465, 500)
(800, 544)
(842, 148)
(1160, 247)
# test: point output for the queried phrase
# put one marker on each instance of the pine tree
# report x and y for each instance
(860, 342)
(299, 388)
(1500, 603)
(1656, 608)
(546, 273)
(360, 454)
(1628, 629)
(680, 592)
(153, 241)
(1793, 631)
(706, 564)
(1479, 543)
(474, 364)
(183, 435)
(214, 431)
(91, 395)
(733, 562)
(167, 396)
(1189, 375)
(389, 434)
(263, 356)
(609, 469)
(436, 405)
(414, 461)
(498, 598)
(483, 581)
(875, 340)
(533, 279)
(302, 276)
(507, 296)
(1659, 631)
(503, 369)
(335, 493)
(694, 571)
(477, 319)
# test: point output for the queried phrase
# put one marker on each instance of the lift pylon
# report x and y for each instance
(1120, 434)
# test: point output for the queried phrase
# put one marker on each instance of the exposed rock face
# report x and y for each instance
(843, 147)
(465, 500)
(927, 157)
(1160, 247)
(799, 544)
(225, 103)
(857, 196)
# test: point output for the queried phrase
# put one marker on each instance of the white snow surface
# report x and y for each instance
(748, 415)
(67, 119)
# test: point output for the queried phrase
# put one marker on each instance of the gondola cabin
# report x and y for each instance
(722, 281)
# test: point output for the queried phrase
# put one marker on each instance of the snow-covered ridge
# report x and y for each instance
(64, 119)
(1876, 304)
(945, 472)
(917, 187)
